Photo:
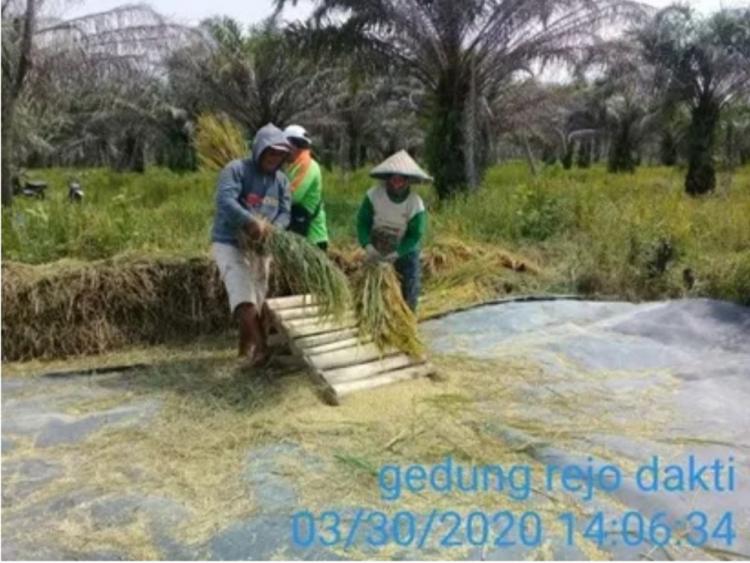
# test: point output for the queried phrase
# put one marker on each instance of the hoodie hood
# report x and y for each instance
(268, 136)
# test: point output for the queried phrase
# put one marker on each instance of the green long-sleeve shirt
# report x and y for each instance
(309, 194)
(391, 225)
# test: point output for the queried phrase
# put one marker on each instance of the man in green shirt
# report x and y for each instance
(392, 220)
(306, 183)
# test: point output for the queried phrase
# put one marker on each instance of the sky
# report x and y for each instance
(253, 11)
(193, 11)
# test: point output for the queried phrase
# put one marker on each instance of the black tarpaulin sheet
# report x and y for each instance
(689, 358)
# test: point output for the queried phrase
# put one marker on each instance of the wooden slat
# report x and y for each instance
(368, 369)
(320, 339)
(412, 372)
(326, 389)
(308, 311)
(349, 356)
(345, 320)
(337, 345)
(279, 303)
(337, 358)
(300, 329)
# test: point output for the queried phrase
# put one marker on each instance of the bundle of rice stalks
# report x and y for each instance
(448, 253)
(303, 268)
(347, 257)
(382, 312)
(60, 310)
(218, 140)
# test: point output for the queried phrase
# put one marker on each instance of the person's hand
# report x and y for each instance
(371, 254)
(392, 257)
(257, 230)
(266, 230)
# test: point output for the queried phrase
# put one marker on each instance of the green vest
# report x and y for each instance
(309, 194)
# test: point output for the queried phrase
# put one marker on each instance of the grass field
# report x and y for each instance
(580, 231)
(586, 231)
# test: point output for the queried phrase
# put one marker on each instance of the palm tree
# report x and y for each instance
(529, 117)
(464, 54)
(18, 23)
(255, 76)
(368, 115)
(64, 75)
(631, 111)
(77, 112)
(704, 63)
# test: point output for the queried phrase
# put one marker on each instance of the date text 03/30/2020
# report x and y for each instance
(504, 529)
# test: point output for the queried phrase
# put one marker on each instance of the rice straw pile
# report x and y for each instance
(69, 308)
(303, 268)
(218, 140)
(382, 312)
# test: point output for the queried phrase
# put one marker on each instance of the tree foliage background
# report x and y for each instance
(459, 85)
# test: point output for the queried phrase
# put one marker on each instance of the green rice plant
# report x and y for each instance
(583, 228)
(304, 269)
(218, 140)
(382, 312)
(725, 277)
(540, 213)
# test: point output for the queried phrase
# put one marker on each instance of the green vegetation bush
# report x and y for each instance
(121, 212)
(636, 236)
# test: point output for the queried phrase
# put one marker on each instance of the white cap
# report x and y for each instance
(297, 132)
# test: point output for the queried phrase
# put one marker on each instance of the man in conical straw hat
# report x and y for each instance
(392, 220)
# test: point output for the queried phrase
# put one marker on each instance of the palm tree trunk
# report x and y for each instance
(701, 175)
(668, 149)
(584, 154)
(567, 159)
(470, 132)
(13, 81)
(621, 157)
(353, 148)
(530, 160)
(7, 120)
(445, 144)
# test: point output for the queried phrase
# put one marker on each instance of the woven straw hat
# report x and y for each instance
(403, 165)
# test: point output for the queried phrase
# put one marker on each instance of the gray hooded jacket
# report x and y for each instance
(243, 191)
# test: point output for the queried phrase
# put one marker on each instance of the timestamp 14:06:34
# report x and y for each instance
(633, 528)
(504, 529)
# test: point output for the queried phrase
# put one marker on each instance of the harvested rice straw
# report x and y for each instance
(304, 268)
(71, 308)
(218, 140)
(382, 312)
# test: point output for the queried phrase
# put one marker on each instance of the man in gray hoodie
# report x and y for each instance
(252, 195)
